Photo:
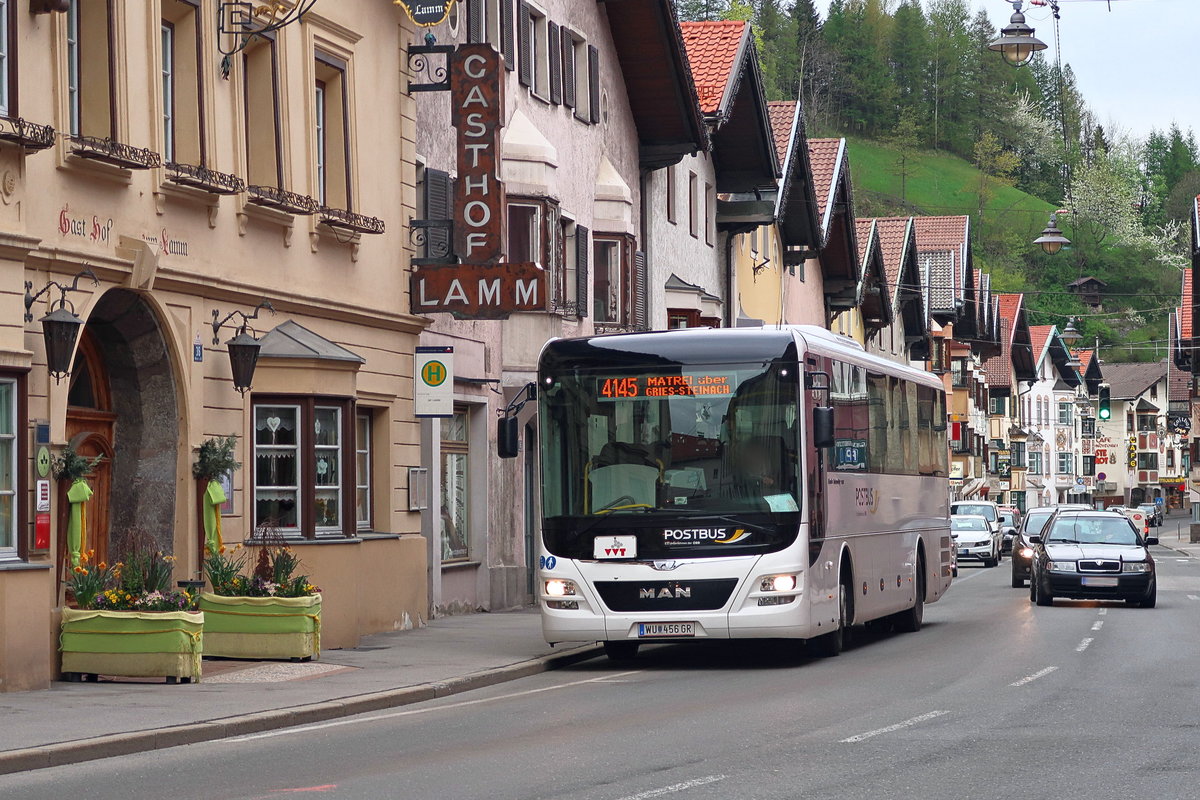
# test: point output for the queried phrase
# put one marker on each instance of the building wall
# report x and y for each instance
(177, 255)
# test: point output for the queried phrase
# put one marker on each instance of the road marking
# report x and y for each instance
(1041, 673)
(1098, 624)
(412, 712)
(1193, 597)
(908, 723)
(972, 575)
(1083, 645)
(676, 787)
(1102, 611)
(1182, 560)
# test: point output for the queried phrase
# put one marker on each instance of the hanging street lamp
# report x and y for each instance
(1016, 42)
(60, 328)
(243, 348)
(1052, 239)
(1070, 335)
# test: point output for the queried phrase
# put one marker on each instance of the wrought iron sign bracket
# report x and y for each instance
(421, 64)
(62, 301)
(437, 251)
(217, 325)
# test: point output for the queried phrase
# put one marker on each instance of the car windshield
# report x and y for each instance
(1092, 530)
(966, 524)
(978, 509)
(1035, 521)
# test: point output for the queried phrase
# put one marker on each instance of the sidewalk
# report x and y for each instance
(73, 722)
(1175, 533)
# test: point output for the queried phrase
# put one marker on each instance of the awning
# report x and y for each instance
(973, 488)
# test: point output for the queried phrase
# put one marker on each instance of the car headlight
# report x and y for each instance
(1026, 552)
(1061, 566)
(1136, 566)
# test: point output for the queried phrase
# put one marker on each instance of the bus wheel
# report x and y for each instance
(910, 621)
(621, 651)
(831, 644)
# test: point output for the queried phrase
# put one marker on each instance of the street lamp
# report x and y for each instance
(1017, 43)
(1052, 239)
(243, 348)
(60, 328)
(1070, 335)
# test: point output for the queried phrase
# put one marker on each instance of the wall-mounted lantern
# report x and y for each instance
(60, 328)
(243, 348)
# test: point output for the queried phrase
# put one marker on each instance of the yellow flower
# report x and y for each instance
(222, 550)
(103, 565)
(79, 570)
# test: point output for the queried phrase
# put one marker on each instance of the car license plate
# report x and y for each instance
(651, 630)
(614, 547)
(1096, 581)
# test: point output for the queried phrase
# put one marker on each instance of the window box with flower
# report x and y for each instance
(268, 613)
(129, 622)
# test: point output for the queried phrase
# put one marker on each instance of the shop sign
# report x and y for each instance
(426, 13)
(478, 291)
(94, 229)
(433, 382)
(477, 113)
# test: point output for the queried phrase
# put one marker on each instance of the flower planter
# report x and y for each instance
(137, 644)
(262, 627)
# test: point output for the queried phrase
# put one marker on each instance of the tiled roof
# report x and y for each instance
(782, 113)
(862, 227)
(1178, 383)
(942, 241)
(998, 368)
(823, 157)
(1010, 304)
(1129, 381)
(890, 231)
(1185, 315)
(1038, 334)
(712, 48)
(1085, 358)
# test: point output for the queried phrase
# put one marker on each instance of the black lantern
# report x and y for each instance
(1052, 239)
(60, 328)
(243, 357)
(1070, 334)
(1017, 43)
(243, 348)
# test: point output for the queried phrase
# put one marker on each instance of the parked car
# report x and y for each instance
(1022, 551)
(1153, 513)
(1137, 516)
(976, 538)
(1010, 520)
(1092, 555)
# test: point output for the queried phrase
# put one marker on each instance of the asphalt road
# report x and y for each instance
(994, 698)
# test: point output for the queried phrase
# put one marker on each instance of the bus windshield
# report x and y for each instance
(685, 439)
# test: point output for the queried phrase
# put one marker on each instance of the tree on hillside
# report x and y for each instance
(949, 44)
(909, 58)
(701, 10)
(774, 35)
(905, 139)
(996, 167)
(862, 98)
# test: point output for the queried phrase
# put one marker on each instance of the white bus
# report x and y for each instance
(733, 483)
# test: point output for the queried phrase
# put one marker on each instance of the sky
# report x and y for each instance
(1147, 80)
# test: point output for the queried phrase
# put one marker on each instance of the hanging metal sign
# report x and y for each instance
(477, 113)
(426, 13)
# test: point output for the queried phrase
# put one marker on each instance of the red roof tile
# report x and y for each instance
(941, 233)
(823, 157)
(890, 231)
(1085, 358)
(782, 113)
(998, 368)
(862, 229)
(1010, 304)
(712, 48)
(1185, 316)
(1038, 334)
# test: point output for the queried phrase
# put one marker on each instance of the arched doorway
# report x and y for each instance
(123, 405)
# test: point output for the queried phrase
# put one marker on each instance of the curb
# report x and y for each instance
(74, 752)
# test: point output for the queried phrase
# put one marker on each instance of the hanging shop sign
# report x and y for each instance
(426, 13)
(478, 291)
(433, 382)
(477, 113)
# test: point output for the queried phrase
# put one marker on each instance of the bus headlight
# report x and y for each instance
(778, 583)
(557, 587)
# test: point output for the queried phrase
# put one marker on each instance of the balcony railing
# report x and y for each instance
(205, 179)
(350, 221)
(115, 153)
(29, 135)
(281, 200)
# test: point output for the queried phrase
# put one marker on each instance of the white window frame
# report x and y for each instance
(1064, 413)
(362, 477)
(321, 139)
(339, 451)
(8, 539)
(298, 449)
(168, 90)
(74, 111)
(5, 62)
(1066, 462)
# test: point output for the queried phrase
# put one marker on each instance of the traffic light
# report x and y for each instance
(1105, 402)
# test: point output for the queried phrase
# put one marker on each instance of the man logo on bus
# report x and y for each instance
(715, 535)
(665, 593)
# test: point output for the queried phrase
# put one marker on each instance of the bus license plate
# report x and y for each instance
(1094, 581)
(651, 630)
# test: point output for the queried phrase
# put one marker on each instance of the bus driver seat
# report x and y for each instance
(622, 475)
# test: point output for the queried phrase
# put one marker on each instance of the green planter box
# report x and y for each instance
(262, 627)
(136, 644)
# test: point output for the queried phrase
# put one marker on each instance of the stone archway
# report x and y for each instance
(124, 394)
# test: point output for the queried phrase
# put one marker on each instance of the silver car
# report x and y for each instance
(976, 538)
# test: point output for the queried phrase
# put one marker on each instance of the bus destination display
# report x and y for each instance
(635, 387)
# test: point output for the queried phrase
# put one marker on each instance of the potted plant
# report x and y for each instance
(269, 612)
(214, 461)
(72, 469)
(128, 621)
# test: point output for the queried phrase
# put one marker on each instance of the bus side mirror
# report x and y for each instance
(823, 426)
(508, 437)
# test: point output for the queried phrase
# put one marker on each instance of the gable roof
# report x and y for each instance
(1016, 357)
(290, 339)
(729, 86)
(1046, 343)
(944, 243)
(840, 266)
(1130, 381)
(658, 81)
(1086, 279)
(796, 210)
(872, 292)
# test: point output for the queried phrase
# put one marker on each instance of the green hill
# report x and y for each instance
(938, 184)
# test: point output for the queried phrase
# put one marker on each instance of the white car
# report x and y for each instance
(976, 538)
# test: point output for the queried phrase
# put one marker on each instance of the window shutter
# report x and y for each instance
(475, 21)
(594, 82)
(438, 200)
(555, 51)
(641, 318)
(506, 34)
(583, 251)
(524, 45)
(568, 68)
